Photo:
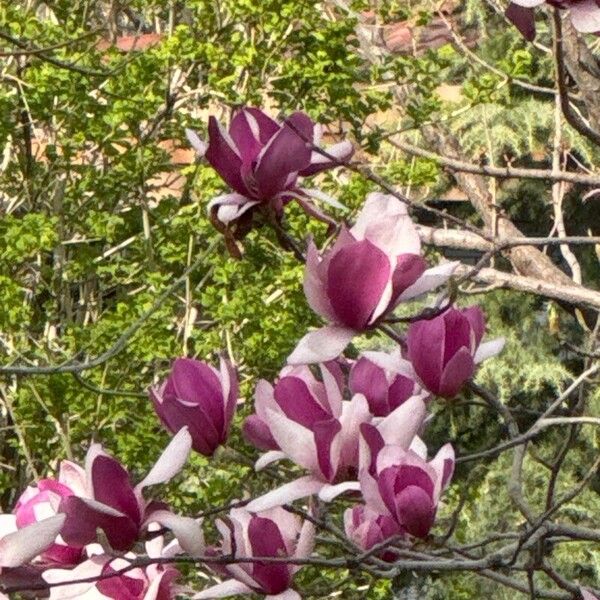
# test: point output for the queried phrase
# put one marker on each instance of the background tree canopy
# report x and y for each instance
(103, 207)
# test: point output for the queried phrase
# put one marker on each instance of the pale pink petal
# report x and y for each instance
(295, 440)
(488, 349)
(430, 280)
(315, 289)
(287, 595)
(330, 492)
(231, 587)
(269, 457)
(76, 591)
(528, 3)
(294, 490)
(198, 144)
(403, 423)
(187, 530)
(226, 213)
(384, 221)
(21, 546)
(321, 345)
(171, 461)
(306, 540)
(73, 476)
(418, 447)
(585, 16)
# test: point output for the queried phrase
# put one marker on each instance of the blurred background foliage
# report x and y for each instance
(103, 207)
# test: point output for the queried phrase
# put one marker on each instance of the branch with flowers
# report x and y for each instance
(370, 490)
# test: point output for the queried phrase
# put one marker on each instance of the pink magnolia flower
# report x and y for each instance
(445, 350)
(313, 426)
(587, 595)
(154, 582)
(19, 546)
(199, 397)
(110, 502)
(367, 528)
(371, 268)
(400, 483)
(385, 380)
(272, 533)
(261, 160)
(585, 14)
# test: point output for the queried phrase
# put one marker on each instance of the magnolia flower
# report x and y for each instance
(367, 528)
(587, 595)
(261, 161)
(314, 427)
(199, 397)
(42, 500)
(273, 533)
(385, 380)
(585, 14)
(401, 483)
(108, 500)
(370, 269)
(445, 350)
(18, 546)
(154, 582)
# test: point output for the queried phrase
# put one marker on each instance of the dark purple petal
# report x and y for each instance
(415, 511)
(287, 152)
(408, 269)
(368, 379)
(325, 433)
(426, 351)
(297, 403)
(401, 389)
(175, 415)
(257, 432)
(356, 279)
(457, 333)
(374, 441)
(245, 132)
(412, 475)
(460, 368)
(82, 521)
(195, 382)
(523, 18)
(120, 587)
(223, 158)
(111, 486)
(266, 540)
(267, 126)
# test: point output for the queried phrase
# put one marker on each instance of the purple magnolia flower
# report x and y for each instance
(400, 483)
(367, 528)
(110, 502)
(271, 533)
(154, 582)
(370, 269)
(18, 546)
(199, 397)
(42, 500)
(385, 380)
(444, 351)
(261, 160)
(585, 14)
(309, 423)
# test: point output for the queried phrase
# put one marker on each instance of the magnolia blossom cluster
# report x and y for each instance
(585, 14)
(354, 427)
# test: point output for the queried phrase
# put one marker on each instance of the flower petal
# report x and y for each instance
(489, 349)
(357, 277)
(321, 345)
(170, 462)
(21, 546)
(294, 490)
(430, 280)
